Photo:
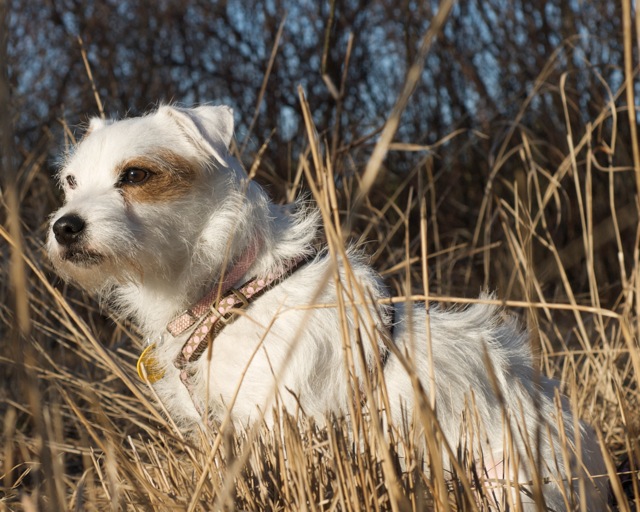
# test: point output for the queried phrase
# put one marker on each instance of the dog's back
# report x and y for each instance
(490, 402)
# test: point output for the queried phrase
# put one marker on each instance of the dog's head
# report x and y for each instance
(137, 192)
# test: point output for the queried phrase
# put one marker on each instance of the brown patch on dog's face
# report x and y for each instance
(160, 178)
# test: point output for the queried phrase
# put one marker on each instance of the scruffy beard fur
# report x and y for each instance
(161, 211)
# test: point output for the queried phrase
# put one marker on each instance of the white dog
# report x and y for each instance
(162, 222)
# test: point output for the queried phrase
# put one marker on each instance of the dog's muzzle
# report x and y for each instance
(68, 229)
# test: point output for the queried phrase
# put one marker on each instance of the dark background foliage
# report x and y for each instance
(498, 73)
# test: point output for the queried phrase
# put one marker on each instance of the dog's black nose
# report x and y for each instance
(68, 228)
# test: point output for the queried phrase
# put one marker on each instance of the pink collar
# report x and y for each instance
(219, 308)
(190, 316)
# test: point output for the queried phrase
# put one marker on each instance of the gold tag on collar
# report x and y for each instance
(154, 372)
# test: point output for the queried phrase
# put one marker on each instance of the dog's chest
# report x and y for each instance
(276, 344)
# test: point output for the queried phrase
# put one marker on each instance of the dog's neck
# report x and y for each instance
(155, 303)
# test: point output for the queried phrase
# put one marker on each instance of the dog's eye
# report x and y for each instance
(71, 181)
(134, 176)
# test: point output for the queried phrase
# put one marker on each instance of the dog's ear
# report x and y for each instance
(209, 127)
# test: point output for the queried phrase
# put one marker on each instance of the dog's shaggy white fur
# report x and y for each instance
(155, 210)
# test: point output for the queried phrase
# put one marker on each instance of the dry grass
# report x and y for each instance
(80, 431)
